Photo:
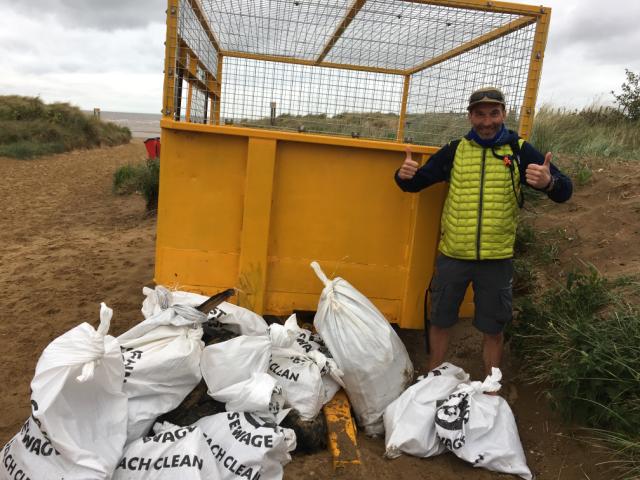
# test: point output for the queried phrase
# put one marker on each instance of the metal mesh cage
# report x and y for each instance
(437, 102)
(396, 70)
(401, 35)
(312, 99)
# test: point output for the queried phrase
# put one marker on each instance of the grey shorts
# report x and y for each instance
(492, 290)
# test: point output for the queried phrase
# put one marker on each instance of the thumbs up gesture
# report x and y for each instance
(539, 176)
(409, 167)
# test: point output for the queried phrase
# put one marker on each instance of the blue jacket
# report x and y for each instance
(438, 168)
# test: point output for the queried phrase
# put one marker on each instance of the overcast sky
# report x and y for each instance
(109, 53)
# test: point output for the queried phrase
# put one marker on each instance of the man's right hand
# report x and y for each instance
(409, 167)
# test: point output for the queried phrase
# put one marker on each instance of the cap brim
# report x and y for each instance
(485, 100)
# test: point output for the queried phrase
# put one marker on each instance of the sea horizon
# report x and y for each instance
(142, 125)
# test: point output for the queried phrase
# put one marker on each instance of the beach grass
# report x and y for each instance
(594, 131)
(30, 128)
(579, 341)
(143, 178)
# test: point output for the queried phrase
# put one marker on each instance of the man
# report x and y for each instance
(479, 220)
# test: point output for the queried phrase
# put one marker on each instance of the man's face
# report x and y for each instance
(487, 119)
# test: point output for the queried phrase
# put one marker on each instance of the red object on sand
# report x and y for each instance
(153, 147)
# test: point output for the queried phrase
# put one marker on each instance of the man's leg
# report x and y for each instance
(492, 347)
(448, 287)
(493, 298)
(438, 345)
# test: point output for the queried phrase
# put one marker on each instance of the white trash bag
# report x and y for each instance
(307, 342)
(301, 381)
(171, 453)
(30, 454)
(409, 421)
(244, 445)
(162, 364)
(235, 372)
(375, 362)
(78, 425)
(301, 376)
(237, 319)
(480, 428)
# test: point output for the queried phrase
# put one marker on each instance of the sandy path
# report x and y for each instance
(67, 243)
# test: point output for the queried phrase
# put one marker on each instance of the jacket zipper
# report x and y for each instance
(484, 156)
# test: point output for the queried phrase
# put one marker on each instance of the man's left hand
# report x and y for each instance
(539, 176)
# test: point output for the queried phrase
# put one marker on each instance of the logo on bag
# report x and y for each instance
(32, 444)
(283, 372)
(169, 436)
(161, 463)
(35, 445)
(245, 436)
(9, 462)
(306, 341)
(451, 415)
(132, 356)
(231, 463)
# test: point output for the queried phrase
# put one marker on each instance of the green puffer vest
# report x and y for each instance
(480, 213)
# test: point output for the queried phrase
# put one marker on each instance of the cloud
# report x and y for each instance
(577, 84)
(120, 70)
(110, 53)
(35, 50)
(107, 15)
(605, 35)
(589, 46)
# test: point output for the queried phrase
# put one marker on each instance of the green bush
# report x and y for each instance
(151, 183)
(29, 128)
(629, 98)
(582, 172)
(581, 340)
(25, 149)
(127, 179)
(142, 178)
(14, 107)
(625, 450)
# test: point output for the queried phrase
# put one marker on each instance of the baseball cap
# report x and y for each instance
(486, 95)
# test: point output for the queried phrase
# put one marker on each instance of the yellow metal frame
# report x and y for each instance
(312, 63)
(476, 42)
(529, 14)
(259, 170)
(171, 46)
(403, 107)
(346, 21)
(262, 150)
(195, 5)
(486, 6)
(535, 70)
(189, 61)
(294, 137)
